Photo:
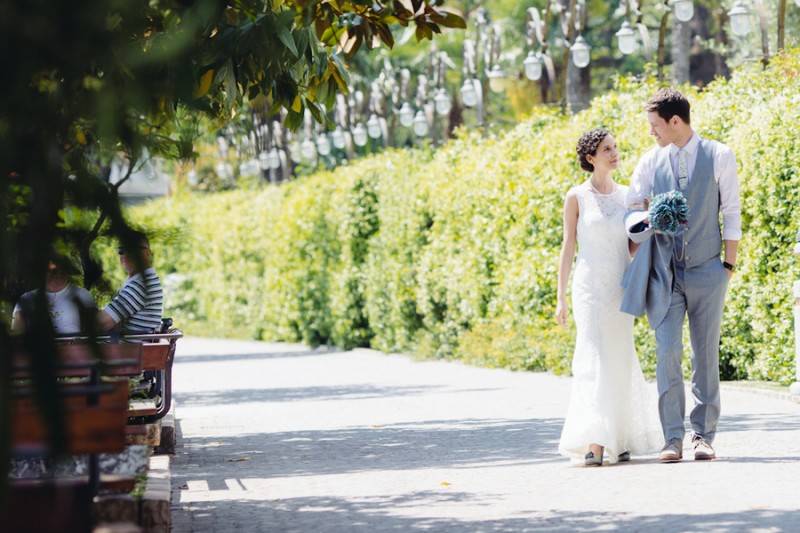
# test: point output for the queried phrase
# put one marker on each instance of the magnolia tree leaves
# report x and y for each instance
(292, 53)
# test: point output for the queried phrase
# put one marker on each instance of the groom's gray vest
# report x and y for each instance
(648, 279)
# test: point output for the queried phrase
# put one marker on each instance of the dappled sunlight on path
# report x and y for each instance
(277, 437)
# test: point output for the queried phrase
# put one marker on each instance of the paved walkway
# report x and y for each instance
(276, 437)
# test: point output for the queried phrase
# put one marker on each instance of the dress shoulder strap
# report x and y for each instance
(580, 192)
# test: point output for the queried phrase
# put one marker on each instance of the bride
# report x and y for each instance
(612, 411)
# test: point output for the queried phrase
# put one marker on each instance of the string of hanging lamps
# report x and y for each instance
(740, 16)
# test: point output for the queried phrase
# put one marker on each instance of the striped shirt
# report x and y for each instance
(139, 303)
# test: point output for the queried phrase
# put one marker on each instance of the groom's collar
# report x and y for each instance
(690, 148)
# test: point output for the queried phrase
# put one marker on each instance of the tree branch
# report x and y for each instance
(86, 244)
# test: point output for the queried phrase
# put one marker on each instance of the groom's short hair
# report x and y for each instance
(668, 102)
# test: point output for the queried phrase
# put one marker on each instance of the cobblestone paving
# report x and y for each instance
(282, 438)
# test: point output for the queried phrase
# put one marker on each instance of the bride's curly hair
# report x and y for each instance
(587, 145)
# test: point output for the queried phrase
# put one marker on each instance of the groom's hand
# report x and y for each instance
(643, 206)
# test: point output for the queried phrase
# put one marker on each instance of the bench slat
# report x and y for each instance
(155, 355)
(142, 408)
(77, 359)
(135, 430)
(108, 482)
(90, 428)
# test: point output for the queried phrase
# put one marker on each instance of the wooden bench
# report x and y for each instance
(94, 421)
(98, 415)
(158, 355)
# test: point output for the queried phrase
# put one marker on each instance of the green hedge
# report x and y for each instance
(454, 253)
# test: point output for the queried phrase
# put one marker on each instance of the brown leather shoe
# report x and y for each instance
(672, 452)
(702, 449)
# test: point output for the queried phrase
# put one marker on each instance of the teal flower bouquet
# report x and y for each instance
(668, 212)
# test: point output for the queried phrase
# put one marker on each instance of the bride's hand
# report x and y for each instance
(562, 312)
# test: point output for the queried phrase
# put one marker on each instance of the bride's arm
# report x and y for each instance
(567, 255)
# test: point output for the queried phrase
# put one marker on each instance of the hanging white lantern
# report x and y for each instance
(533, 66)
(626, 39)
(581, 53)
(469, 96)
(406, 115)
(683, 9)
(253, 167)
(308, 150)
(740, 19)
(442, 102)
(360, 134)
(497, 79)
(294, 151)
(222, 144)
(263, 160)
(323, 145)
(274, 159)
(221, 170)
(338, 138)
(420, 124)
(374, 127)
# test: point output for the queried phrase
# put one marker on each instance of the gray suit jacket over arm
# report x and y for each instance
(647, 283)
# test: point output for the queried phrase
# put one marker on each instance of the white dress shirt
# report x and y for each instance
(724, 173)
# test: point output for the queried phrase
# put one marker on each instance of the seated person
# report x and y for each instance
(65, 300)
(136, 309)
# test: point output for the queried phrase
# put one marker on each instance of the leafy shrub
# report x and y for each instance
(454, 253)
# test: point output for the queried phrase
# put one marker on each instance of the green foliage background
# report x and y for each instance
(454, 253)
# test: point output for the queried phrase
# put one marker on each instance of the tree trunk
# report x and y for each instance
(763, 21)
(456, 116)
(662, 37)
(681, 44)
(578, 87)
(544, 86)
(578, 80)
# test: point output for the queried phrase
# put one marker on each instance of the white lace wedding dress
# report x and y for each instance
(611, 404)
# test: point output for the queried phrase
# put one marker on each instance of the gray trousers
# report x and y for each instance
(700, 292)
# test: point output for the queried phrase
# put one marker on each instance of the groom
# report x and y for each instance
(671, 277)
